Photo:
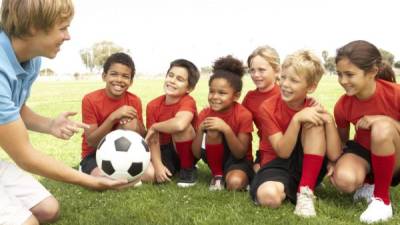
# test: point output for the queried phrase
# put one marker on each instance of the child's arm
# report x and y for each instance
(333, 141)
(283, 144)
(161, 173)
(177, 124)
(237, 144)
(95, 133)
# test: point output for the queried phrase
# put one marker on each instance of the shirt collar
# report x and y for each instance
(20, 70)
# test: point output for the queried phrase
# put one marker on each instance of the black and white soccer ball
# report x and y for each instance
(123, 154)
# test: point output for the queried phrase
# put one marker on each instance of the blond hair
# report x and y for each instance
(18, 17)
(307, 64)
(269, 54)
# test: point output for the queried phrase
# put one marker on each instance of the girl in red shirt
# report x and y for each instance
(226, 127)
(372, 104)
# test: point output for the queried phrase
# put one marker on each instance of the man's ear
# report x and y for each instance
(103, 76)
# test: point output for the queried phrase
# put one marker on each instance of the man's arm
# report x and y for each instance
(178, 123)
(15, 141)
(61, 127)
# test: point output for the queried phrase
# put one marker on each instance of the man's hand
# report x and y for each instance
(64, 128)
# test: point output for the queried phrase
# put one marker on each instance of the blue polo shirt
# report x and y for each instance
(15, 80)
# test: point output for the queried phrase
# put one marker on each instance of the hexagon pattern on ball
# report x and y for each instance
(123, 154)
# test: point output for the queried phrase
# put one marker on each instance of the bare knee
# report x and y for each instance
(47, 210)
(346, 181)
(382, 132)
(269, 196)
(235, 183)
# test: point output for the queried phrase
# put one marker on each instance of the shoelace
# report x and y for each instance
(306, 201)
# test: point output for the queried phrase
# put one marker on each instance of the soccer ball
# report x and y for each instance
(123, 154)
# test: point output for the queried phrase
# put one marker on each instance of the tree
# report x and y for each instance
(397, 65)
(46, 72)
(329, 62)
(95, 56)
(387, 56)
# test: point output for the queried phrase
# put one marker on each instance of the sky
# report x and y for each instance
(159, 31)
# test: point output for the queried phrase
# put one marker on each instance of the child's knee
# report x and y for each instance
(235, 183)
(213, 137)
(346, 181)
(269, 196)
(382, 131)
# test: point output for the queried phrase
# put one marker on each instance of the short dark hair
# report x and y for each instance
(193, 72)
(121, 58)
(365, 56)
(230, 69)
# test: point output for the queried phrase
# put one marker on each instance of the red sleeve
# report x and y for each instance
(339, 114)
(246, 121)
(188, 104)
(88, 111)
(138, 107)
(150, 117)
(270, 125)
(202, 115)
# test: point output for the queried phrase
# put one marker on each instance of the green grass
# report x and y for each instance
(167, 204)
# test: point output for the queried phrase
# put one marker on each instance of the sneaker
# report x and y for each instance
(138, 184)
(377, 211)
(365, 192)
(305, 203)
(217, 183)
(187, 177)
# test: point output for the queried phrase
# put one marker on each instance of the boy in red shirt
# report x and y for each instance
(225, 129)
(264, 68)
(369, 164)
(170, 119)
(110, 108)
(296, 130)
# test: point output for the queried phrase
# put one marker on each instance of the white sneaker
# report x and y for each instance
(305, 203)
(365, 192)
(217, 184)
(377, 211)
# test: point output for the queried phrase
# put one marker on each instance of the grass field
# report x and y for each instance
(168, 204)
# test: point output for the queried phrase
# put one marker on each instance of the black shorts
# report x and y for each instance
(232, 163)
(286, 171)
(88, 164)
(357, 149)
(170, 158)
(258, 157)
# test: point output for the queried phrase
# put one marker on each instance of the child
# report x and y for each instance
(110, 108)
(371, 104)
(296, 131)
(227, 128)
(264, 68)
(170, 119)
(28, 30)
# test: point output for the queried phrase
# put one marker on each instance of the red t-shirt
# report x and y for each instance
(275, 117)
(97, 106)
(158, 111)
(252, 102)
(385, 101)
(237, 117)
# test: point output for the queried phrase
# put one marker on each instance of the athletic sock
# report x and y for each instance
(382, 168)
(184, 150)
(310, 171)
(215, 157)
